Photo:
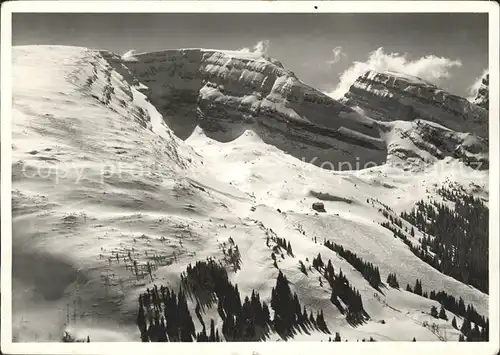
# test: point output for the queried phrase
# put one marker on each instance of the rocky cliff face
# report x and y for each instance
(482, 97)
(389, 96)
(227, 92)
(421, 143)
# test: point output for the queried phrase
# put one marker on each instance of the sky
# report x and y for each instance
(326, 51)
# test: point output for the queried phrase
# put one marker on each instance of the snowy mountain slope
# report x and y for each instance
(387, 96)
(97, 174)
(83, 164)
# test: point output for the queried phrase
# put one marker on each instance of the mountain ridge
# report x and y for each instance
(400, 97)
(226, 95)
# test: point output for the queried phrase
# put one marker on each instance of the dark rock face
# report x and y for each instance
(389, 96)
(482, 97)
(318, 206)
(225, 93)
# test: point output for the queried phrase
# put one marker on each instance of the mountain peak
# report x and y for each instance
(392, 75)
(482, 96)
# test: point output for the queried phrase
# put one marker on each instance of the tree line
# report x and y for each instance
(460, 243)
(450, 303)
(342, 290)
(370, 272)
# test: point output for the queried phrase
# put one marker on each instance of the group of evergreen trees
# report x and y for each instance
(468, 333)
(164, 314)
(283, 243)
(337, 337)
(341, 289)
(459, 307)
(212, 337)
(249, 322)
(231, 253)
(288, 312)
(442, 313)
(474, 333)
(167, 315)
(417, 289)
(370, 272)
(392, 280)
(209, 282)
(460, 242)
(450, 303)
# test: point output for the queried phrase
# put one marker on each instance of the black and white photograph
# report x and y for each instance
(278, 172)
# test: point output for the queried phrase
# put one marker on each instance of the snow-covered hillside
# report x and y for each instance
(103, 187)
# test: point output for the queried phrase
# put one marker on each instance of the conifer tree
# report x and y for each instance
(212, 331)
(442, 313)
(311, 319)
(465, 329)
(418, 288)
(337, 336)
(434, 312)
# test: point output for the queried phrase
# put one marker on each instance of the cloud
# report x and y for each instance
(430, 68)
(129, 56)
(261, 47)
(338, 54)
(474, 88)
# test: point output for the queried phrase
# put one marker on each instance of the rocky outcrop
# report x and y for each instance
(482, 96)
(226, 93)
(387, 96)
(423, 143)
(318, 206)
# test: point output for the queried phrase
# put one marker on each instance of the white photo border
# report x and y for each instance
(298, 347)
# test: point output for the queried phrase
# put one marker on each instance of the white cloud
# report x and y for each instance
(338, 53)
(261, 47)
(474, 88)
(129, 56)
(430, 68)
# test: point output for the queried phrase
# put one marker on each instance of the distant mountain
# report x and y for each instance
(228, 92)
(482, 96)
(388, 96)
